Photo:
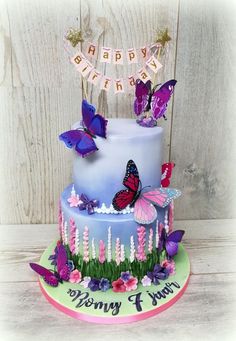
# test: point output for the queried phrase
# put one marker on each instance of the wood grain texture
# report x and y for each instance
(40, 96)
(205, 312)
(203, 137)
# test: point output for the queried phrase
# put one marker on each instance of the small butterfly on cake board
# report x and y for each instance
(82, 139)
(58, 275)
(143, 200)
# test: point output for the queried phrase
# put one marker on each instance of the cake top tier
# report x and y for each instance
(126, 128)
(100, 175)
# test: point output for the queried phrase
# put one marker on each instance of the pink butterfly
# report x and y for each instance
(144, 203)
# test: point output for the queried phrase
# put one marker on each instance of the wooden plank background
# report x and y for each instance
(40, 96)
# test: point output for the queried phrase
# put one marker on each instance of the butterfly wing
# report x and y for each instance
(144, 211)
(71, 137)
(142, 91)
(88, 113)
(122, 199)
(62, 267)
(172, 242)
(161, 97)
(47, 275)
(161, 196)
(98, 126)
(131, 179)
(86, 145)
(166, 169)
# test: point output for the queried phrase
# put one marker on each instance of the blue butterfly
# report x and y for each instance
(83, 138)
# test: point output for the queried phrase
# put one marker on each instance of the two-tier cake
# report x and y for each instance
(117, 258)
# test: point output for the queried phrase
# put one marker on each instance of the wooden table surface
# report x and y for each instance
(207, 311)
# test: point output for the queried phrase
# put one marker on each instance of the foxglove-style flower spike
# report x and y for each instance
(66, 233)
(132, 249)
(86, 244)
(72, 236)
(157, 234)
(171, 216)
(117, 251)
(93, 250)
(62, 228)
(73, 193)
(102, 252)
(109, 245)
(166, 226)
(122, 253)
(150, 241)
(77, 241)
(141, 243)
(60, 220)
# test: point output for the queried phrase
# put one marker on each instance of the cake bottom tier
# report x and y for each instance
(112, 236)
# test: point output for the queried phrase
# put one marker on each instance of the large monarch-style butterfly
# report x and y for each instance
(143, 202)
(83, 139)
(153, 99)
(54, 277)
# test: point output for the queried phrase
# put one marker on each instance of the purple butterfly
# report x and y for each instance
(169, 242)
(152, 99)
(54, 277)
(82, 139)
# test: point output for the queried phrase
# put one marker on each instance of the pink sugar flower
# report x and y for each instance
(131, 284)
(75, 276)
(118, 286)
(169, 265)
(74, 201)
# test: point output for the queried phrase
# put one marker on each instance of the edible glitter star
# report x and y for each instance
(74, 201)
(163, 37)
(74, 36)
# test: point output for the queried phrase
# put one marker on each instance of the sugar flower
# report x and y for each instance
(146, 281)
(75, 276)
(148, 122)
(159, 273)
(104, 284)
(74, 201)
(169, 265)
(94, 284)
(131, 284)
(71, 265)
(118, 286)
(125, 276)
(86, 281)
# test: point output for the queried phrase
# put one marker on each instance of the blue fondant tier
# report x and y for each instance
(101, 174)
(122, 226)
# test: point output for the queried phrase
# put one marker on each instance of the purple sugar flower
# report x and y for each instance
(94, 284)
(125, 276)
(104, 284)
(158, 273)
(148, 122)
(71, 265)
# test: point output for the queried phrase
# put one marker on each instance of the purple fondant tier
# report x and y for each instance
(121, 226)
(101, 174)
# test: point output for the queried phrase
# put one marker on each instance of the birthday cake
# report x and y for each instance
(117, 257)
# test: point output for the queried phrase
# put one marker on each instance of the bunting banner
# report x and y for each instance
(144, 57)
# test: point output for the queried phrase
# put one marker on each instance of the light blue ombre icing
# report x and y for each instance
(100, 175)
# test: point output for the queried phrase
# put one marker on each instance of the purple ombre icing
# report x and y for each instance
(99, 177)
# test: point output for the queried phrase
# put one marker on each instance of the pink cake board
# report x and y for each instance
(114, 308)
